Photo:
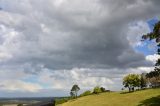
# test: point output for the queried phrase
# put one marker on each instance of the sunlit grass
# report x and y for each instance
(150, 97)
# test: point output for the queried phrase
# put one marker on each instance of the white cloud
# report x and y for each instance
(87, 78)
(153, 58)
(145, 69)
(9, 42)
(57, 3)
(64, 79)
(4, 56)
(17, 85)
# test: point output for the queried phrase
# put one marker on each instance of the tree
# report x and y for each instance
(75, 90)
(143, 80)
(154, 35)
(72, 94)
(154, 77)
(132, 80)
(97, 90)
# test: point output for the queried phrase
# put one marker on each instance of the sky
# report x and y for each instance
(46, 46)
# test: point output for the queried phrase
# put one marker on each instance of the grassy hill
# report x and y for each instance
(149, 97)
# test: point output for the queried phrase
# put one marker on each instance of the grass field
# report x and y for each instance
(149, 97)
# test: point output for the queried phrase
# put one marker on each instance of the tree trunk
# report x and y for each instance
(129, 89)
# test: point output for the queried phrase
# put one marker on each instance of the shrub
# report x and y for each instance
(103, 89)
(60, 101)
(97, 90)
(20, 105)
(88, 92)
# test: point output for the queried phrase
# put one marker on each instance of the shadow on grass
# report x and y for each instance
(126, 92)
(154, 101)
(138, 90)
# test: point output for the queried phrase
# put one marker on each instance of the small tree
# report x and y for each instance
(131, 81)
(75, 90)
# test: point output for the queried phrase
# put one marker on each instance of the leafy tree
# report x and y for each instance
(131, 81)
(154, 77)
(97, 90)
(75, 90)
(154, 35)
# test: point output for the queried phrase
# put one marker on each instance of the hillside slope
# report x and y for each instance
(150, 97)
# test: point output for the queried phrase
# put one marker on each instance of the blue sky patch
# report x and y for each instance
(149, 47)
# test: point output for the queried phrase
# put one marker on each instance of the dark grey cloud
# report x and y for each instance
(92, 36)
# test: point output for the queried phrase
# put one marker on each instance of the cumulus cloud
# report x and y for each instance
(63, 42)
(153, 58)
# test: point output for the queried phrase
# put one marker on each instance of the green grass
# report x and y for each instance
(62, 100)
(149, 97)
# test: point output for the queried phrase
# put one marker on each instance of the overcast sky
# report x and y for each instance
(46, 46)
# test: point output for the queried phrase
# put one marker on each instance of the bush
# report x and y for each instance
(60, 101)
(97, 90)
(20, 105)
(86, 93)
(103, 89)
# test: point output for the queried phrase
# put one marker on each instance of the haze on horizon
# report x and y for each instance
(46, 46)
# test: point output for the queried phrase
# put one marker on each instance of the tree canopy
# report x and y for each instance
(154, 35)
(74, 90)
(132, 80)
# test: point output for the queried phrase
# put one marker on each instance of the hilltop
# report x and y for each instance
(149, 97)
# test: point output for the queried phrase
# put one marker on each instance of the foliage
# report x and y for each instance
(88, 92)
(154, 35)
(60, 101)
(131, 81)
(20, 105)
(154, 77)
(97, 90)
(74, 90)
(143, 80)
(103, 89)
